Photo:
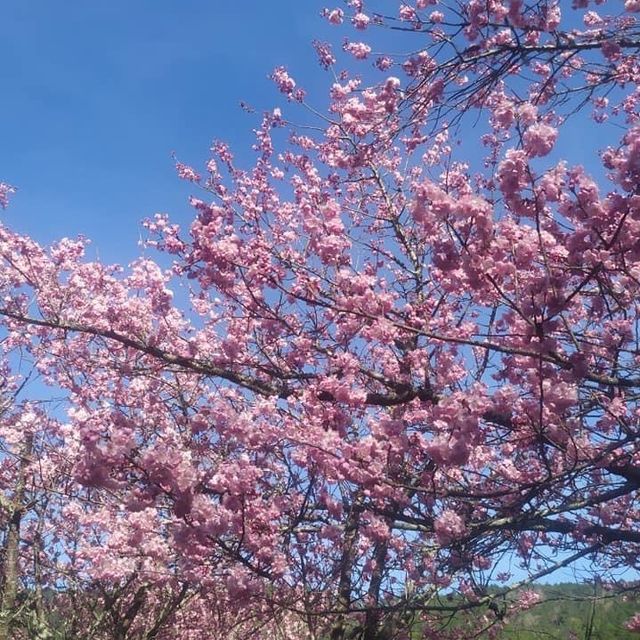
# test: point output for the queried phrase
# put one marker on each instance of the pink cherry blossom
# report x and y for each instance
(539, 139)
(5, 191)
(359, 50)
(391, 349)
(449, 526)
(334, 16)
(633, 624)
(285, 83)
(361, 21)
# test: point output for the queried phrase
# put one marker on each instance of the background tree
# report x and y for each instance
(406, 365)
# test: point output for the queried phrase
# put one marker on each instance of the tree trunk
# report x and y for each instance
(346, 567)
(372, 617)
(11, 555)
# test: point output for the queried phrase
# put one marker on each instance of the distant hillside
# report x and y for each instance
(570, 612)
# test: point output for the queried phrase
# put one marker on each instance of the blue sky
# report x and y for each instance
(97, 95)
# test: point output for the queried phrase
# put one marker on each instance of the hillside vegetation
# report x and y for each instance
(570, 612)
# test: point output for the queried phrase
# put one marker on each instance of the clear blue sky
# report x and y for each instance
(96, 96)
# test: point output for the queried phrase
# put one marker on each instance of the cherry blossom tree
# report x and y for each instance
(408, 368)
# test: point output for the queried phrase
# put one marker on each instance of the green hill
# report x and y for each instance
(577, 612)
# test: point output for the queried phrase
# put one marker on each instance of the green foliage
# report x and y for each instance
(575, 612)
